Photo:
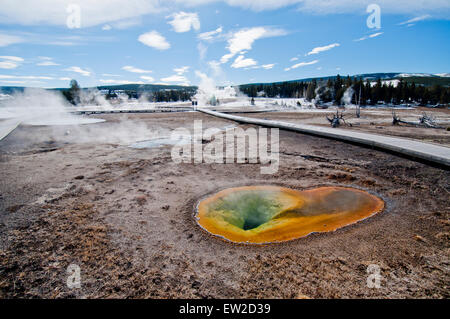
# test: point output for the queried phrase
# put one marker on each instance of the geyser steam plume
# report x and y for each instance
(40, 107)
(208, 91)
(49, 108)
(37, 107)
(348, 96)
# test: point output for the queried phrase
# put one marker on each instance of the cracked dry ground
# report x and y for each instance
(125, 216)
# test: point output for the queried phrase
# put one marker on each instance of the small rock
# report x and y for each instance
(443, 236)
(420, 238)
(14, 208)
(302, 296)
(196, 284)
(141, 200)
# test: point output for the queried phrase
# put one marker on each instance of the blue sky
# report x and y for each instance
(234, 42)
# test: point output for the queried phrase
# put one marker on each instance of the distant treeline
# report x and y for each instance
(171, 96)
(75, 95)
(160, 96)
(334, 89)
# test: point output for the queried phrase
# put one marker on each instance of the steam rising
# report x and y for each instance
(40, 107)
(208, 91)
(348, 96)
(49, 108)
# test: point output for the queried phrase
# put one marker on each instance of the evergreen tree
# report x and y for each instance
(72, 95)
(333, 89)
(311, 91)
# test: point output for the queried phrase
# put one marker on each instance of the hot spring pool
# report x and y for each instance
(269, 214)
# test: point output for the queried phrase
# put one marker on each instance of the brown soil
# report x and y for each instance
(125, 216)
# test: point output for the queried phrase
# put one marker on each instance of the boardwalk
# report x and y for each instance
(418, 150)
(7, 126)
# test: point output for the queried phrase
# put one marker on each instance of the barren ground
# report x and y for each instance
(377, 121)
(125, 216)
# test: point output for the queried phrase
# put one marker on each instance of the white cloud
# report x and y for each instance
(12, 82)
(211, 35)
(262, 5)
(388, 6)
(268, 66)
(155, 40)
(8, 65)
(147, 78)
(25, 77)
(174, 78)
(178, 79)
(12, 58)
(242, 62)
(127, 23)
(216, 68)
(301, 64)
(49, 39)
(243, 40)
(182, 70)
(111, 81)
(323, 49)
(79, 70)
(227, 57)
(108, 74)
(62, 43)
(374, 35)
(184, 22)
(294, 59)
(47, 63)
(53, 12)
(132, 69)
(122, 24)
(6, 39)
(264, 66)
(202, 49)
(335, 6)
(256, 5)
(417, 19)
(101, 12)
(10, 62)
(65, 79)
